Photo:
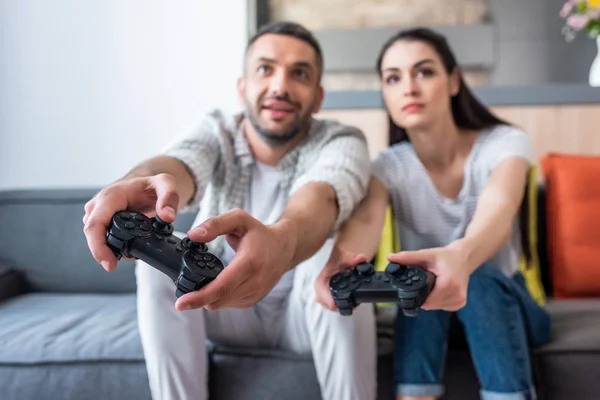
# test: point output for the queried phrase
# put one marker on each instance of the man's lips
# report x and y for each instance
(278, 109)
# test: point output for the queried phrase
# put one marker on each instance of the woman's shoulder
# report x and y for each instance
(501, 141)
(397, 151)
(503, 133)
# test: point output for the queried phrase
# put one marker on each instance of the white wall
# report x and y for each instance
(89, 88)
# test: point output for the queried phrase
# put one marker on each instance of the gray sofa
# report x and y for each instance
(68, 329)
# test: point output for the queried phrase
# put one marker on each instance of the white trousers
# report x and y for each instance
(174, 343)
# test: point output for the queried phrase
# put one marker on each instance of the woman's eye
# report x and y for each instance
(390, 80)
(425, 73)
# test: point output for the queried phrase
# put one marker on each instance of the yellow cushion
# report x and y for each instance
(531, 271)
(390, 243)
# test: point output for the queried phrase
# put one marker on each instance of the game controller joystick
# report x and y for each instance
(408, 286)
(189, 264)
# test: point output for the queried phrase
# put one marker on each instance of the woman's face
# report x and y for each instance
(416, 87)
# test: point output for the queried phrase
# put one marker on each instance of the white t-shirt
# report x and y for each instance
(265, 202)
(427, 219)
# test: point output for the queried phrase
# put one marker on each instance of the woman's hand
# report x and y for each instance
(450, 266)
(339, 260)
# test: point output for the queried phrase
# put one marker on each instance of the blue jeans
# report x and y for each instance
(501, 322)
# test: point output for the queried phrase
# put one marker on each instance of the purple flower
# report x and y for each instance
(567, 8)
(577, 21)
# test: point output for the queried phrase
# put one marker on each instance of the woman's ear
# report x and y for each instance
(455, 81)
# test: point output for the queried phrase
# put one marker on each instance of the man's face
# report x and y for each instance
(280, 88)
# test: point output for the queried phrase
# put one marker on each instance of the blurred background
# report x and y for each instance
(89, 88)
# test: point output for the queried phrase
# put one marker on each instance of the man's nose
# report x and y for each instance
(279, 83)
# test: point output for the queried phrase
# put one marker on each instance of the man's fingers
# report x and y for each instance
(234, 222)
(96, 226)
(95, 234)
(167, 201)
(419, 258)
(218, 290)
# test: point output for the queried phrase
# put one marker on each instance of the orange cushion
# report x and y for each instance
(573, 223)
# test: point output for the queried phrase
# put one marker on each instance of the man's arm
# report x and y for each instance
(161, 185)
(321, 200)
(184, 181)
(326, 195)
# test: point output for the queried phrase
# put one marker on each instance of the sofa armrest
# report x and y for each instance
(12, 283)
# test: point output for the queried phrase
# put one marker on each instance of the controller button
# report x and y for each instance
(410, 273)
(386, 279)
(211, 265)
(201, 264)
(416, 278)
(392, 268)
(159, 237)
(368, 280)
(207, 257)
(125, 216)
(336, 278)
(353, 279)
(179, 249)
(378, 277)
(140, 218)
(408, 282)
(129, 225)
(403, 277)
(343, 285)
(171, 240)
(145, 228)
(346, 274)
(365, 269)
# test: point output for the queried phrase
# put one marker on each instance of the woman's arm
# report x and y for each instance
(496, 209)
(487, 232)
(356, 241)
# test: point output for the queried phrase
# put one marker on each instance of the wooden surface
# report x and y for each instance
(572, 129)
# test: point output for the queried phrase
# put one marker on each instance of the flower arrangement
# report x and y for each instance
(581, 15)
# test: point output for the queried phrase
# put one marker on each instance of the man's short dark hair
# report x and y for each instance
(292, 29)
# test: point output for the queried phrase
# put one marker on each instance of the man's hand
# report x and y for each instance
(262, 255)
(452, 270)
(148, 195)
(339, 260)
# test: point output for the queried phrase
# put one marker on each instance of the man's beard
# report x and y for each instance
(279, 138)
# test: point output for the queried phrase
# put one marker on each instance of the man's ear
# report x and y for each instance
(455, 81)
(319, 102)
(241, 88)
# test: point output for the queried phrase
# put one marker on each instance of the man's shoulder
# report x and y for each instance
(220, 121)
(325, 130)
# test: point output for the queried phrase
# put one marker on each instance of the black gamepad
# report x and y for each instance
(407, 285)
(187, 263)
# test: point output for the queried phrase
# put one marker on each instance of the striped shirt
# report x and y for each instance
(221, 162)
(425, 218)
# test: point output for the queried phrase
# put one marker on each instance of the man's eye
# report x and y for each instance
(264, 69)
(302, 74)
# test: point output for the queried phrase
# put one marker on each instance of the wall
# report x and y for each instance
(570, 128)
(91, 88)
(529, 48)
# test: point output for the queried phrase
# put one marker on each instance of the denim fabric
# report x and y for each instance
(501, 323)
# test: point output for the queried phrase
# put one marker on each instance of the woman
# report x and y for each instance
(455, 176)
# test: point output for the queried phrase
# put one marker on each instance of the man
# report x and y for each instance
(274, 184)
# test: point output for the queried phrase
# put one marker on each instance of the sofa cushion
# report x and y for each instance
(573, 221)
(58, 346)
(44, 328)
(567, 367)
(42, 235)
